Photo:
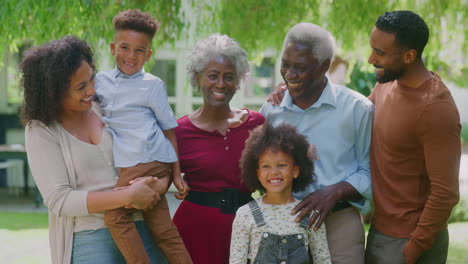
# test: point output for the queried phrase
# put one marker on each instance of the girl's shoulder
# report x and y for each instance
(244, 210)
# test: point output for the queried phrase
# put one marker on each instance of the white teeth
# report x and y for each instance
(217, 93)
(276, 181)
(89, 99)
(295, 84)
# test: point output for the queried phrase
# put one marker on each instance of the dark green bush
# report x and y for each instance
(362, 80)
(464, 133)
(460, 212)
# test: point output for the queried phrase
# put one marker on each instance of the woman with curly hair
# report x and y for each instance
(275, 162)
(210, 141)
(70, 154)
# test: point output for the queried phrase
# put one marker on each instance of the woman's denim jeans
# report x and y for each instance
(97, 246)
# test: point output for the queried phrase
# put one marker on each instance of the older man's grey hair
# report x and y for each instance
(317, 38)
(214, 46)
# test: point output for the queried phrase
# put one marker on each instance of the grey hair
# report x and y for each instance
(214, 46)
(317, 38)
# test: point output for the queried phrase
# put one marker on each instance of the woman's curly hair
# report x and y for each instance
(211, 47)
(45, 74)
(283, 138)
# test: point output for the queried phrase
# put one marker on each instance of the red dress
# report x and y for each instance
(210, 162)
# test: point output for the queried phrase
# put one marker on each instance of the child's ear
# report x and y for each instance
(150, 52)
(112, 47)
(296, 172)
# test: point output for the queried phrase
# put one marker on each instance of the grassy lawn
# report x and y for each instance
(24, 239)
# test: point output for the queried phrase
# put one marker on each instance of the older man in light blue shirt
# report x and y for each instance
(337, 122)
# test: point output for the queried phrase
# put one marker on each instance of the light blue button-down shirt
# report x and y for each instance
(136, 110)
(339, 125)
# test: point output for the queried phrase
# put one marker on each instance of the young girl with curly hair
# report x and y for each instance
(276, 162)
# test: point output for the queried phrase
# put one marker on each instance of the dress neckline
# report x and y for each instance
(216, 132)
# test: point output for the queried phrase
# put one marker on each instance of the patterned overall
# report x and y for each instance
(279, 249)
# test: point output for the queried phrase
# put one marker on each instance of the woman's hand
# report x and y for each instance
(276, 96)
(140, 193)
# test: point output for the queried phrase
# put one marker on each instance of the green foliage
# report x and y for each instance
(44, 20)
(256, 24)
(459, 212)
(362, 81)
(262, 24)
(464, 133)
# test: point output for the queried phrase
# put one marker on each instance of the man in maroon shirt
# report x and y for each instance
(415, 149)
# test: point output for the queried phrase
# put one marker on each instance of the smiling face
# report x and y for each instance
(302, 72)
(78, 97)
(276, 172)
(218, 81)
(131, 50)
(386, 57)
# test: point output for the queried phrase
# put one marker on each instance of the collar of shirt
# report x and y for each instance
(328, 97)
(118, 74)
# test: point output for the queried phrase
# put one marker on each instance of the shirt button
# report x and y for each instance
(226, 148)
(225, 138)
(299, 236)
(228, 130)
(265, 235)
(283, 262)
(284, 241)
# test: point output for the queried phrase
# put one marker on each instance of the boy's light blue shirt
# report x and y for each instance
(136, 110)
(339, 125)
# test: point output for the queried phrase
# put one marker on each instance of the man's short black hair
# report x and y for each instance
(411, 32)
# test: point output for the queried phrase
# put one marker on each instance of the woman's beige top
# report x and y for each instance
(65, 169)
(96, 173)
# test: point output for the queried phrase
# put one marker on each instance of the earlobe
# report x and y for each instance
(112, 47)
(410, 56)
(150, 52)
(197, 77)
(296, 172)
(326, 66)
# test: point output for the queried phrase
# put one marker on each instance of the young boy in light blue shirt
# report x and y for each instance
(137, 113)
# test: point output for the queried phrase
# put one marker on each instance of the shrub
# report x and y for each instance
(464, 133)
(459, 212)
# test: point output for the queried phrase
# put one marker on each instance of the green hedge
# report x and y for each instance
(464, 133)
(460, 211)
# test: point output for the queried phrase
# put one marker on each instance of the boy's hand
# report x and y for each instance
(182, 187)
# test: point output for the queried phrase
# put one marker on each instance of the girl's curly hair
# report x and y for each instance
(45, 74)
(284, 138)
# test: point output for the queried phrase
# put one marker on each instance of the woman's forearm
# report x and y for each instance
(139, 195)
(101, 201)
